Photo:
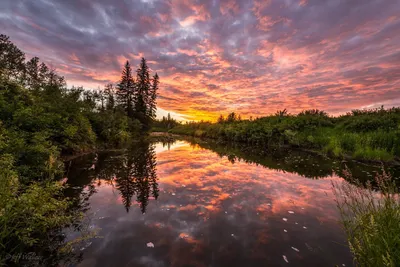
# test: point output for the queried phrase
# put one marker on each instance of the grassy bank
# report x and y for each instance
(370, 216)
(368, 134)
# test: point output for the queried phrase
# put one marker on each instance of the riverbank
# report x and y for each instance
(370, 136)
(152, 137)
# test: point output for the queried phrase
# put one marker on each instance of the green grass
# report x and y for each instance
(370, 215)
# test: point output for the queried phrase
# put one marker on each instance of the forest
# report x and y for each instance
(41, 122)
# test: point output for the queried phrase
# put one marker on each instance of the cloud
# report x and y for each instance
(216, 57)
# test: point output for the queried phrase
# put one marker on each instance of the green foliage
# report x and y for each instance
(28, 214)
(371, 218)
(165, 124)
(40, 119)
(311, 129)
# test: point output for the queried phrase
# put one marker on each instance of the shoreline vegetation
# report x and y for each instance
(43, 122)
(370, 216)
(370, 135)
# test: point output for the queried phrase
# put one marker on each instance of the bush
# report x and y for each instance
(28, 214)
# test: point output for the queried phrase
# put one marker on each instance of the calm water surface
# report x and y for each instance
(209, 205)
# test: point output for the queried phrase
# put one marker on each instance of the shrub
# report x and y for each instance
(28, 214)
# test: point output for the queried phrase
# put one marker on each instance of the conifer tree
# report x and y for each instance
(109, 92)
(153, 97)
(126, 90)
(142, 96)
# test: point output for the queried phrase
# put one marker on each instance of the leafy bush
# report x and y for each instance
(28, 214)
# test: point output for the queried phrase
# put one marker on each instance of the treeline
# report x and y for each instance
(372, 134)
(40, 117)
(164, 124)
(40, 120)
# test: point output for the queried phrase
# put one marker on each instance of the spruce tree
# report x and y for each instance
(109, 92)
(142, 97)
(153, 97)
(126, 90)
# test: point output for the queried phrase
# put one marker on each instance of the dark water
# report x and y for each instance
(210, 205)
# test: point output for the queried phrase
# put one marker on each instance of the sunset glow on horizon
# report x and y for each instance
(253, 57)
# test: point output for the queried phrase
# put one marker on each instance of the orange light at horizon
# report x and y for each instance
(249, 57)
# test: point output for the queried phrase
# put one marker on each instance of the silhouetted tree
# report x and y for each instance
(153, 97)
(126, 90)
(221, 119)
(231, 117)
(143, 96)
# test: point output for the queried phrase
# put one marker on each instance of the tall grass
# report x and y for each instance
(370, 215)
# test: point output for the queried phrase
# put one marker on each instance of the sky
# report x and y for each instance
(252, 57)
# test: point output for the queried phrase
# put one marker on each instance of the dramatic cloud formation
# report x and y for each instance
(217, 56)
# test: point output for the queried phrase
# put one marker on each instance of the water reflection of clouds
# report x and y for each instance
(216, 179)
(232, 211)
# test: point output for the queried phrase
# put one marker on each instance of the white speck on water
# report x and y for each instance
(304, 227)
(173, 194)
(296, 223)
(183, 185)
(302, 208)
(226, 212)
(291, 212)
(285, 230)
(343, 264)
(167, 209)
(284, 219)
(150, 245)
(284, 257)
(268, 204)
(86, 246)
(295, 249)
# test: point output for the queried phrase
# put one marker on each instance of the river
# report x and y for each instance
(204, 204)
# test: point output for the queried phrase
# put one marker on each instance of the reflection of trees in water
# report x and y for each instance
(137, 175)
(131, 173)
(303, 163)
